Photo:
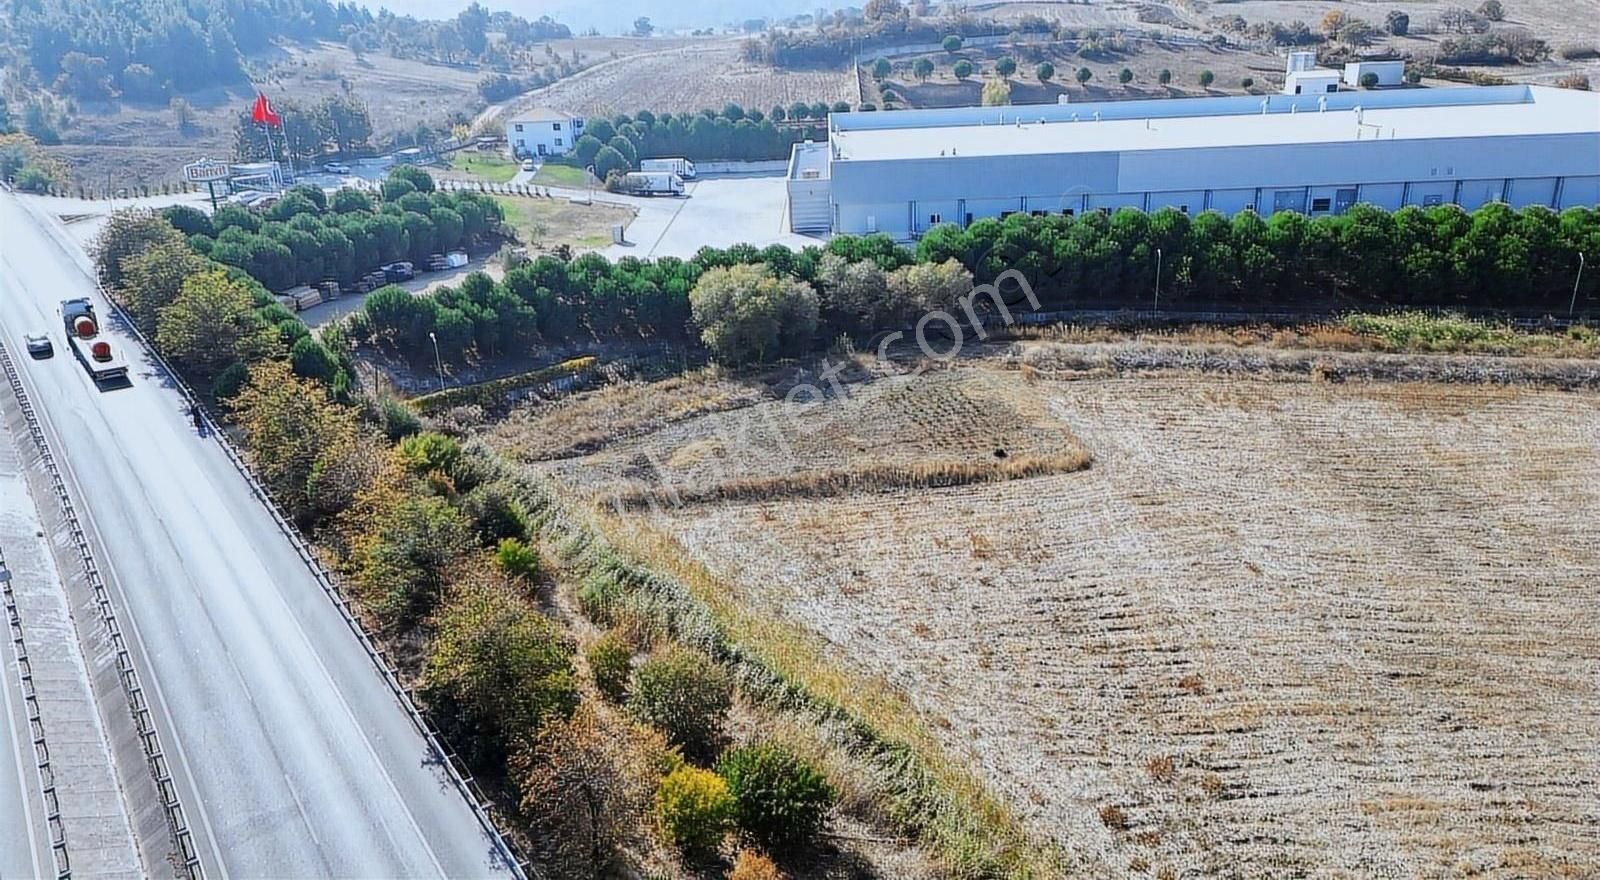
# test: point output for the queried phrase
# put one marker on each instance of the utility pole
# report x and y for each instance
(1158, 279)
(1574, 304)
(437, 361)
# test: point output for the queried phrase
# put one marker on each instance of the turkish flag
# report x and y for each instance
(262, 113)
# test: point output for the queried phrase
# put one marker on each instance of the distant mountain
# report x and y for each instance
(617, 17)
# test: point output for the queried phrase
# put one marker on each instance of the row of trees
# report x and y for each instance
(306, 239)
(436, 542)
(214, 322)
(337, 122)
(1495, 257)
(747, 304)
(732, 133)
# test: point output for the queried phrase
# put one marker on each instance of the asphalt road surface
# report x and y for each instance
(292, 757)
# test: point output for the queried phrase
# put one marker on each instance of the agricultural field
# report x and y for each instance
(1267, 625)
(689, 78)
(1186, 29)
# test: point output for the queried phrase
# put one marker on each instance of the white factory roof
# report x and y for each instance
(1185, 123)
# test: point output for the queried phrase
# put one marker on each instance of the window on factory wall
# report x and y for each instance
(1067, 212)
(1297, 90)
(519, 126)
(558, 142)
(1320, 206)
(1183, 209)
(1432, 200)
(1333, 87)
(556, 126)
(1039, 213)
(934, 219)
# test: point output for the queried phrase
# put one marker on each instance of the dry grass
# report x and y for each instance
(1401, 334)
(938, 429)
(689, 78)
(1343, 613)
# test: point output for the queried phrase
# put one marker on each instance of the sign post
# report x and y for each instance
(207, 172)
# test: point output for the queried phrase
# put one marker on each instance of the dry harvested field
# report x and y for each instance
(690, 78)
(1278, 627)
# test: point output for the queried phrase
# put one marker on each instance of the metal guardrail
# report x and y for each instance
(30, 700)
(187, 858)
(460, 775)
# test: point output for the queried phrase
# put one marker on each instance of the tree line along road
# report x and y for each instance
(291, 755)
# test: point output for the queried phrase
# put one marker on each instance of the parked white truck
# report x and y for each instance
(88, 344)
(679, 166)
(652, 183)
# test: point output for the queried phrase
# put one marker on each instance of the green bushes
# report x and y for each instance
(429, 451)
(516, 559)
(686, 696)
(611, 663)
(694, 810)
(495, 513)
(780, 799)
(498, 670)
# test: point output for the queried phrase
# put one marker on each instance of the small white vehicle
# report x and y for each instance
(529, 165)
(679, 166)
(336, 168)
(39, 345)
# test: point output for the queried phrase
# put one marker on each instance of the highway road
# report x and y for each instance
(24, 841)
(291, 756)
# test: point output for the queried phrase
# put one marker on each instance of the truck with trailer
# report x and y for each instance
(91, 347)
(652, 183)
(679, 166)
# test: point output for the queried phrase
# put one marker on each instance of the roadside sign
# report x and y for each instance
(205, 171)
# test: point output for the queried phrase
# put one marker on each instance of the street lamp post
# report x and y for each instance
(1158, 279)
(438, 362)
(1579, 280)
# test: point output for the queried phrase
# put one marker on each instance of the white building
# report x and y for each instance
(902, 173)
(1389, 73)
(1317, 81)
(542, 132)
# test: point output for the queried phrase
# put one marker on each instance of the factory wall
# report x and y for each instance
(906, 197)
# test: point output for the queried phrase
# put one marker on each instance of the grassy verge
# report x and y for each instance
(552, 222)
(1397, 332)
(917, 786)
(496, 169)
(561, 175)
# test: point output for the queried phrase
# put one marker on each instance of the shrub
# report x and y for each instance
(611, 662)
(751, 865)
(599, 596)
(686, 696)
(397, 419)
(585, 784)
(497, 670)
(495, 513)
(488, 393)
(780, 799)
(230, 381)
(516, 559)
(429, 451)
(694, 810)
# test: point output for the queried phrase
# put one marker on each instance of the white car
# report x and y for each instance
(529, 165)
(336, 168)
(38, 345)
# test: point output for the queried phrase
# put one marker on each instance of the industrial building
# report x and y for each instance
(903, 172)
